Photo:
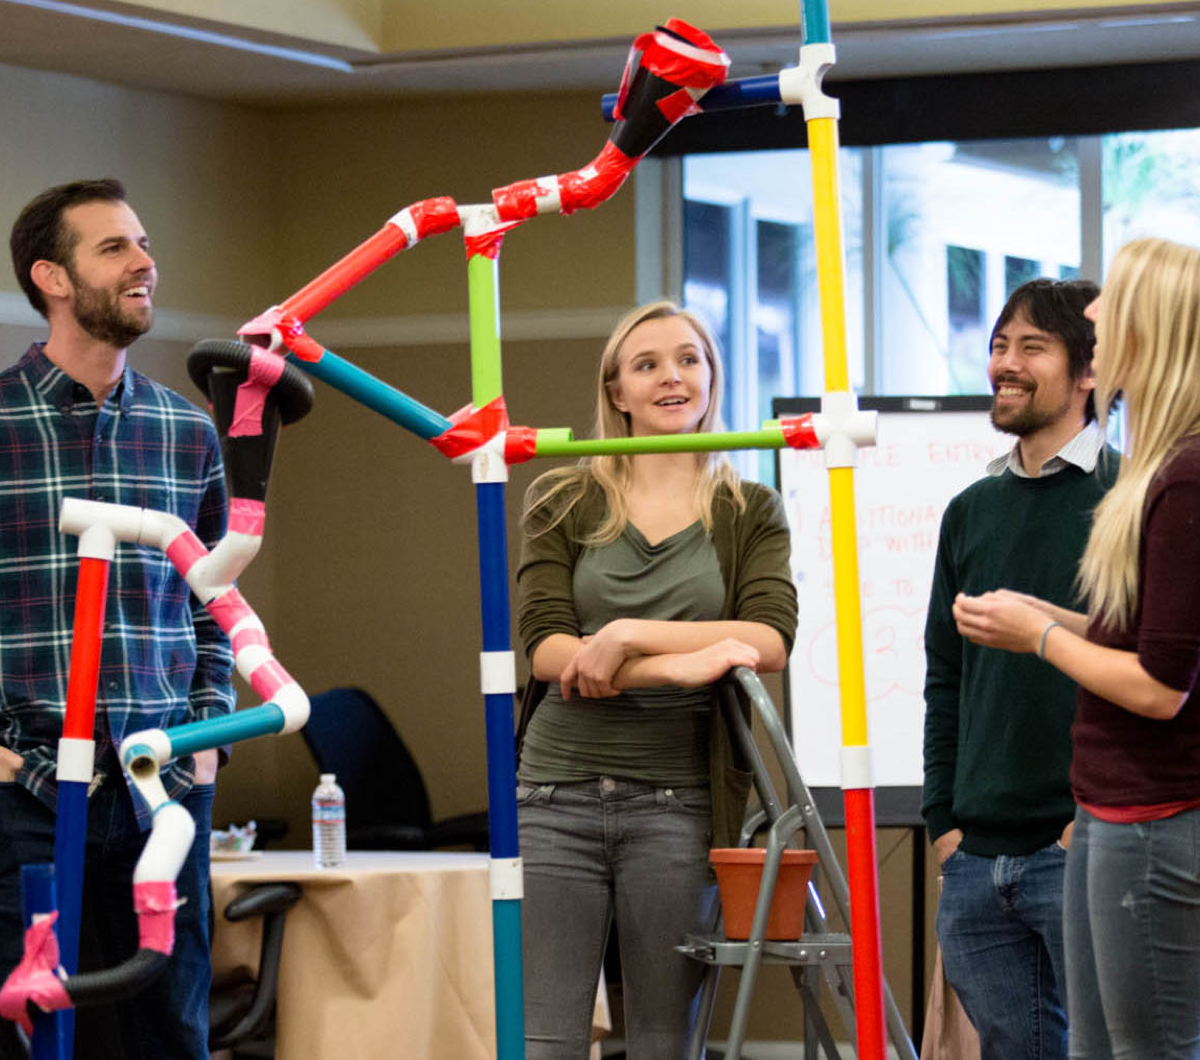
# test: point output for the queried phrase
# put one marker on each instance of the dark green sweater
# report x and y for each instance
(997, 724)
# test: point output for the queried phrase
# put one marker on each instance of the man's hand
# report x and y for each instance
(1065, 839)
(946, 844)
(10, 762)
(206, 766)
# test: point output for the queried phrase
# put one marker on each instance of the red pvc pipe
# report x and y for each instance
(864, 924)
(90, 598)
(341, 276)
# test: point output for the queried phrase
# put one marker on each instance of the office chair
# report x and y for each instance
(242, 1012)
(387, 807)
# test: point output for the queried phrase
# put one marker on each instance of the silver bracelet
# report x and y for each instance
(1041, 652)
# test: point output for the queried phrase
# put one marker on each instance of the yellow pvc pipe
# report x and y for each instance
(827, 228)
(847, 608)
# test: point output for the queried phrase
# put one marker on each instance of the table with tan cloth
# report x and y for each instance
(390, 956)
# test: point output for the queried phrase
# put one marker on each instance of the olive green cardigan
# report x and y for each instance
(753, 549)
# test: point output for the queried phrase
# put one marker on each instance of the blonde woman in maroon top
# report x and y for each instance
(1132, 916)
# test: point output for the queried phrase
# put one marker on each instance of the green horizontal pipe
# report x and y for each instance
(768, 438)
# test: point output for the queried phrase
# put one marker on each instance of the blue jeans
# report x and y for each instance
(170, 1017)
(1133, 938)
(999, 923)
(601, 849)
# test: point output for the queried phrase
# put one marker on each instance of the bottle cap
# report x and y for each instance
(328, 778)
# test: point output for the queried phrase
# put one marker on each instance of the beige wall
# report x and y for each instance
(368, 572)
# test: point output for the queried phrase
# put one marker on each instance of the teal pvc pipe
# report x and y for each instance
(230, 728)
(814, 22)
(508, 971)
(364, 388)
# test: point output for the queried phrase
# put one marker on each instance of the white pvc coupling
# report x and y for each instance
(215, 573)
(802, 84)
(294, 704)
(843, 428)
(167, 848)
(140, 750)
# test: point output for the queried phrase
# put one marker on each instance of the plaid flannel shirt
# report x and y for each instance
(164, 661)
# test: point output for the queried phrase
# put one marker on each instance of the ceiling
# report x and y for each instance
(151, 47)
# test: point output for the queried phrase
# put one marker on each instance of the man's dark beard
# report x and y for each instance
(99, 314)
(1026, 422)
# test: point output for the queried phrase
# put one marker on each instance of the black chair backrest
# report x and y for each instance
(349, 734)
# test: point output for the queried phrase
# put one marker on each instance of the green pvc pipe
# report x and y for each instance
(549, 444)
(483, 290)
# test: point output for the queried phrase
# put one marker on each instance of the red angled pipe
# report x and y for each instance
(91, 595)
(342, 275)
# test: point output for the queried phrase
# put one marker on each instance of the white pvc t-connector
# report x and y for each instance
(843, 428)
(802, 84)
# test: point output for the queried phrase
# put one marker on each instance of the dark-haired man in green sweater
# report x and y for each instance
(997, 802)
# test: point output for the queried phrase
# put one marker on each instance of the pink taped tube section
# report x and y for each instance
(185, 551)
(36, 976)
(155, 903)
(247, 516)
(799, 432)
(263, 373)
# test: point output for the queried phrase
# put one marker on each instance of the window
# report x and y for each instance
(936, 236)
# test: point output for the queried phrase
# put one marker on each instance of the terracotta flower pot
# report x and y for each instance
(739, 871)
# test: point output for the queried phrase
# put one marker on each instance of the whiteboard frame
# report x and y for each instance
(894, 806)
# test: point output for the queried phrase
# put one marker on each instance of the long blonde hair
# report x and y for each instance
(1148, 347)
(614, 473)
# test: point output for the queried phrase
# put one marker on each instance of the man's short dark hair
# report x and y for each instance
(39, 233)
(1056, 307)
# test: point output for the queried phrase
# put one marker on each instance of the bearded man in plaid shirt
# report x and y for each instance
(77, 421)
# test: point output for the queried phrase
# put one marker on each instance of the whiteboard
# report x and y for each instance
(928, 450)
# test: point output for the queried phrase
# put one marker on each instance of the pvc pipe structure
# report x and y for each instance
(249, 422)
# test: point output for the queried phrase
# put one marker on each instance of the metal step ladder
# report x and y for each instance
(818, 955)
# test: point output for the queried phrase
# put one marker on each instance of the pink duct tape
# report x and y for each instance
(488, 243)
(229, 609)
(696, 61)
(799, 433)
(520, 444)
(597, 181)
(303, 346)
(35, 978)
(185, 551)
(250, 637)
(264, 372)
(155, 903)
(247, 516)
(263, 324)
(435, 216)
(471, 428)
(678, 105)
(269, 678)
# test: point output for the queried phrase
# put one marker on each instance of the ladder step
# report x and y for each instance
(809, 950)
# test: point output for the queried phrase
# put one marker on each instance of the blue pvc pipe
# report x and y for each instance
(502, 772)
(743, 92)
(508, 969)
(228, 728)
(70, 840)
(53, 1033)
(364, 388)
(494, 612)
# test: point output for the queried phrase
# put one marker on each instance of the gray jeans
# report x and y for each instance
(601, 849)
(1132, 925)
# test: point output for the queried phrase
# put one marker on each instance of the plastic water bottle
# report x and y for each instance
(329, 824)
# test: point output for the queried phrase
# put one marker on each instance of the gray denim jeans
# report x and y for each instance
(604, 849)
(1132, 926)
